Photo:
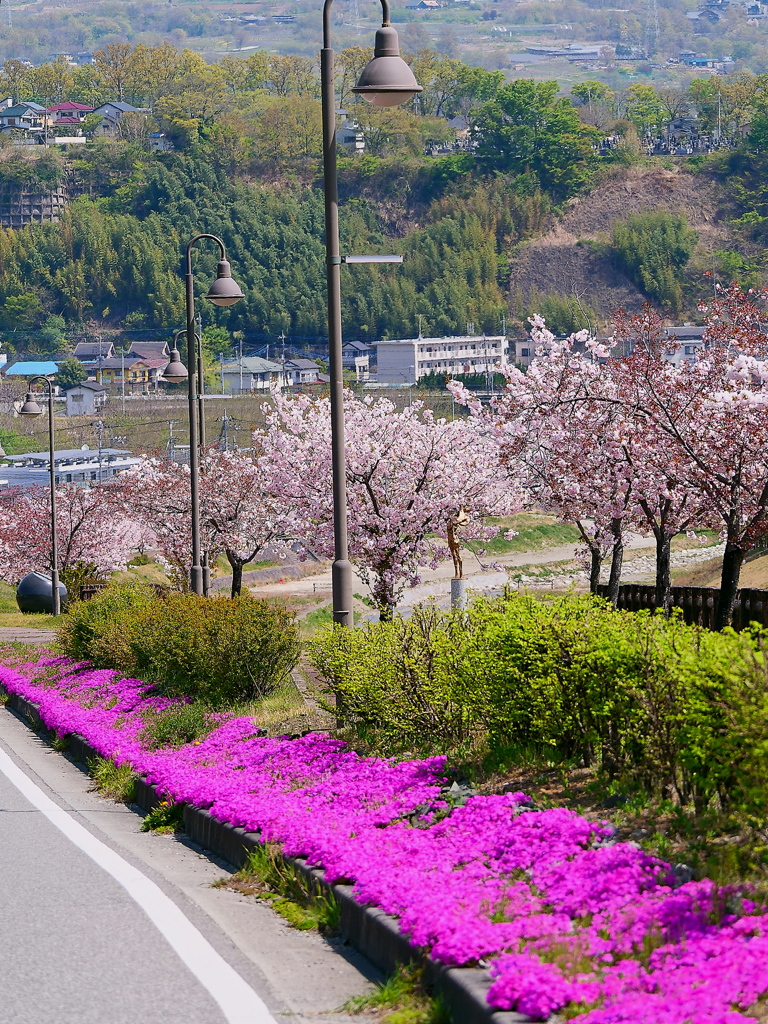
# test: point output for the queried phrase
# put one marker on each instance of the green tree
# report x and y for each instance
(70, 373)
(653, 248)
(592, 91)
(527, 129)
(644, 108)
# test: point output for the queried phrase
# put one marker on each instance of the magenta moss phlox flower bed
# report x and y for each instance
(566, 918)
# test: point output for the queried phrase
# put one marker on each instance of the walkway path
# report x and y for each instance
(27, 635)
(103, 924)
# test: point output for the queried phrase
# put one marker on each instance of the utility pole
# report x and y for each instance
(171, 442)
(241, 365)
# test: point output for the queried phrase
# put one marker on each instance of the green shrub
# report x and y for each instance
(658, 705)
(99, 630)
(217, 652)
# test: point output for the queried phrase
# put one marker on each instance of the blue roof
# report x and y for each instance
(30, 369)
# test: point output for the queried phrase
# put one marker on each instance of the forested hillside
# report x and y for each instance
(483, 221)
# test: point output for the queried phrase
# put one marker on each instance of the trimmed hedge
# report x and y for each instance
(216, 651)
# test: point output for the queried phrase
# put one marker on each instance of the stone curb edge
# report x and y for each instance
(372, 932)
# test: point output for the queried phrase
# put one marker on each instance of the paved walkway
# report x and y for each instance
(27, 635)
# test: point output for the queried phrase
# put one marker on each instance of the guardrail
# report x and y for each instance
(698, 604)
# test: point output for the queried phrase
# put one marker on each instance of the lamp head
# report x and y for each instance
(30, 407)
(224, 291)
(387, 81)
(175, 371)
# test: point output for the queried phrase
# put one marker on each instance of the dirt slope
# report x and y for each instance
(560, 262)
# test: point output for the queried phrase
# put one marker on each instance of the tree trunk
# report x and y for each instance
(596, 564)
(663, 579)
(596, 557)
(237, 573)
(617, 560)
(733, 558)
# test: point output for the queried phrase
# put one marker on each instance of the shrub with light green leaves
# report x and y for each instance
(674, 709)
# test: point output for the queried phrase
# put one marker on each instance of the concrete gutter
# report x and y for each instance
(372, 932)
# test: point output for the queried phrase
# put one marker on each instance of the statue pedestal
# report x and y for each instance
(459, 595)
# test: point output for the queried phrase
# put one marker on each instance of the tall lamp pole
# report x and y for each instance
(223, 292)
(387, 81)
(31, 408)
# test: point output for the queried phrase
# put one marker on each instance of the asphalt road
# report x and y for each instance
(103, 924)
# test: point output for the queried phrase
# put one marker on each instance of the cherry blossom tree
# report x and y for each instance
(92, 533)
(713, 410)
(239, 514)
(411, 478)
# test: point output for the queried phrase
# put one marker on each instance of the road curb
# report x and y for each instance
(372, 932)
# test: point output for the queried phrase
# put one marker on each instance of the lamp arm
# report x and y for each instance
(327, 20)
(214, 238)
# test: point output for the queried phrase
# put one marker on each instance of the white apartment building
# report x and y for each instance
(405, 362)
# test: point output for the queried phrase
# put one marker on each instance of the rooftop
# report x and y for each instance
(253, 364)
(68, 455)
(31, 369)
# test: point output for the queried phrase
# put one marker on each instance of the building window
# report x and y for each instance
(690, 350)
(525, 352)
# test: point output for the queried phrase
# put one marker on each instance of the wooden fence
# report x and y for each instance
(698, 604)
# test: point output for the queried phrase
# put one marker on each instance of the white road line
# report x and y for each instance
(238, 1001)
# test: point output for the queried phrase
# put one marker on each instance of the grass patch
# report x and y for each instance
(11, 616)
(402, 999)
(176, 726)
(223, 568)
(165, 819)
(269, 876)
(22, 621)
(282, 705)
(116, 782)
(316, 620)
(534, 532)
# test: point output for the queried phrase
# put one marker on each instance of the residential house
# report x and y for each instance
(685, 341)
(85, 399)
(26, 117)
(356, 355)
(523, 351)
(406, 361)
(69, 113)
(94, 351)
(252, 373)
(424, 5)
(350, 137)
(150, 350)
(111, 113)
(301, 371)
(140, 375)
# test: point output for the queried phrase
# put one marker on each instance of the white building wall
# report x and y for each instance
(404, 362)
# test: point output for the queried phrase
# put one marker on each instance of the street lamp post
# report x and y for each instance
(223, 292)
(386, 81)
(31, 408)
